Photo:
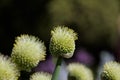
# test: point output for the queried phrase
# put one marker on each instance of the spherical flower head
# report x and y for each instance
(8, 70)
(41, 76)
(27, 52)
(78, 71)
(111, 71)
(62, 42)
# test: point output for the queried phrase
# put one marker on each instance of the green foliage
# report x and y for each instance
(95, 20)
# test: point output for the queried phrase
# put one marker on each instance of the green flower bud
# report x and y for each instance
(62, 42)
(78, 71)
(27, 52)
(8, 70)
(41, 76)
(111, 71)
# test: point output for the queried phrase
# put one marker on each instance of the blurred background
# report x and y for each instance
(97, 23)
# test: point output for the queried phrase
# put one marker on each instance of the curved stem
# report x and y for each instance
(57, 69)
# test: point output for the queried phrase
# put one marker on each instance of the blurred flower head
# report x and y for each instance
(27, 52)
(41, 76)
(8, 70)
(62, 42)
(111, 71)
(78, 71)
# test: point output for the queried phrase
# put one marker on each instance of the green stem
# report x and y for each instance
(57, 69)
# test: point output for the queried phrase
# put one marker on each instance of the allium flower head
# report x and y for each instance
(78, 71)
(41, 76)
(27, 52)
(111, 71)
(62, 42)
(8, 70)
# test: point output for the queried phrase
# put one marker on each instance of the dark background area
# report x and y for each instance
(21, 17)
(95, 21)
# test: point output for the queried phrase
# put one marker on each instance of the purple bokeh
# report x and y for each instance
(82, 56)
(45, 66)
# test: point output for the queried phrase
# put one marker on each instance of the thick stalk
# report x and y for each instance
(57, 69)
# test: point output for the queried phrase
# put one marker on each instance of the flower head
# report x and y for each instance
(27, 52)
(8, 70)
(62, 42)
(111, 71)
(78, 71)
(41, 76)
